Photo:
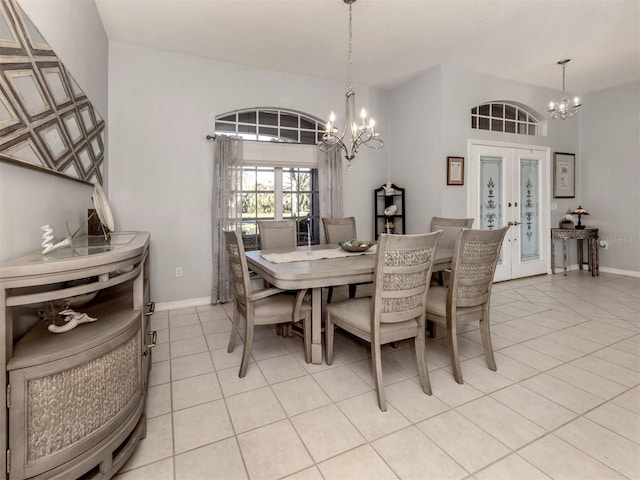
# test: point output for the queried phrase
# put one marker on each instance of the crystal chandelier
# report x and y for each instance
(562, 108)
(352, 135)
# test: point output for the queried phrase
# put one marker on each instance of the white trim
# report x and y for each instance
(280, 154)
(190, 302)
(617, 271)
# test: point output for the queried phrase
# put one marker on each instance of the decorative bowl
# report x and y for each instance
(356, 245)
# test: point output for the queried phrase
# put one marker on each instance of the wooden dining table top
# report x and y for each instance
(325, 272)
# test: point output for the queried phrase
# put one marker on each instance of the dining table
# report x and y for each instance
(316, 266)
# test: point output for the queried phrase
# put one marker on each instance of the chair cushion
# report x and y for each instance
(280, 304)
(355, 314)
(437, 303)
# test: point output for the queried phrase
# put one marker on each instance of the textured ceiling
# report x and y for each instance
(395, 39)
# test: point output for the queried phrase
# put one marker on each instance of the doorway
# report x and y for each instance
(509, 186)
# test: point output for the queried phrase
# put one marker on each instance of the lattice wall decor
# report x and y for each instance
(46, 120)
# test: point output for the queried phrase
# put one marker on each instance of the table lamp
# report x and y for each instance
(580, 211)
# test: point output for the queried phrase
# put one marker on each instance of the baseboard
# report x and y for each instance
(617, 271)
(189, 302)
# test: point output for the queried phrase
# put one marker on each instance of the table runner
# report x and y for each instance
(305, 255)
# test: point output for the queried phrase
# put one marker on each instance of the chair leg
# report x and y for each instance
(422, 361)
(376, 359)
(352, 290)
(329, 294)
(246, 352)
(485, 334)
(453, 350)
(328, 335)
(234, 330)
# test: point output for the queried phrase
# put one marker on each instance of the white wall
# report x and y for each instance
(610, 172)
(30, 198)
(161, 108)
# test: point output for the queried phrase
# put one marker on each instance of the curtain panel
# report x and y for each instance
(226, 211)
(329, 185)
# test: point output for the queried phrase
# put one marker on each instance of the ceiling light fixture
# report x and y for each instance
(352, 135)
(563, 108)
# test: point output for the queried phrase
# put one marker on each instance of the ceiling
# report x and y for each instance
(394, 40)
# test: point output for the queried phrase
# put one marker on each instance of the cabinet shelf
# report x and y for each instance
(393, 223)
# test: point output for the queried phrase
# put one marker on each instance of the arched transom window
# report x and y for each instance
(271, 125)
(500, 116)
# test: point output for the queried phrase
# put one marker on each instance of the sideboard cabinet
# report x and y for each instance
(75, 401)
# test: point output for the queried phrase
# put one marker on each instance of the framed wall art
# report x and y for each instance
(455, 170)
(564, 175)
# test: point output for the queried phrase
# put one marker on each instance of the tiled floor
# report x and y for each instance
(564, 403)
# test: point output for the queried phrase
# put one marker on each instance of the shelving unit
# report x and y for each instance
(76, 400)
(381, 201)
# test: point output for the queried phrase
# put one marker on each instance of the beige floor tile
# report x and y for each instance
(217, 460)
(281, 368)
(558, 459)
(568, 396)
(565, 339)
(467, 444)
(530, 357)
(501, 422)
(231, 384)
(268, 348)
(602, 444)
(445, 388)
(411, 454)
(340, 383)
(618, 357)
(220, 340)
(363, 411)
(361, 463)
(160, 470)
(223, 360)
(254, 409)
(158, 400)
(547, 347)
(181, 320)
(157, 445)
(590, 382)
(407, 396)
(195, 390)
(190, 366)
(511, 468)
(629, 400)
(185, 331)
(540, 410)
(200, 425)
(273, 451)
(311, 473)
(220, 325)
(326, 432)
(476, 373)
(511, 368)
(390, 374)
(618, 420)
(160, 352)
(160, 373)
(188, 346)
(300, 395)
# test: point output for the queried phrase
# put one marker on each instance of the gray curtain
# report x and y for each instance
(330, 180)
(226, 210)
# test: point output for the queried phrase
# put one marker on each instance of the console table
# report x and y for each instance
(75, 401)
(588, 234)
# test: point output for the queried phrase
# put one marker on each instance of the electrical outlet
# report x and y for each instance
(604, 244)
(178, 271)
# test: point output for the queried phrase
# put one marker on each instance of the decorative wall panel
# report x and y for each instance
(46, 120)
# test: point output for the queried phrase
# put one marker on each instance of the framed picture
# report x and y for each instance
(564, 175)
(455, 170)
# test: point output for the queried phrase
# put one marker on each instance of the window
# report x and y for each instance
(504, 117)
(271, 125)
(279, 193)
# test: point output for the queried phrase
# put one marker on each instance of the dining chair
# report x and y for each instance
(467, 297)
(450, 229)
(277, 234)
(397, 309)
(267, 306)
(338, 230)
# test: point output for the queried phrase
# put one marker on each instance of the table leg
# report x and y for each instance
(564, 255)
(316, 325)
(553, 256)
(596, 255)
(580, 254)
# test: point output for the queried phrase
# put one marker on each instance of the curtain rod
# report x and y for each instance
(212, 137)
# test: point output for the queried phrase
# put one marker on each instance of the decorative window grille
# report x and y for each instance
(504, 117)
(271, 125)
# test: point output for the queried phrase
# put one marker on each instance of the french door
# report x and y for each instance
(509, 186)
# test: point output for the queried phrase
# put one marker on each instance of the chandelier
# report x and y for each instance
(562, 108)
(352, 135)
